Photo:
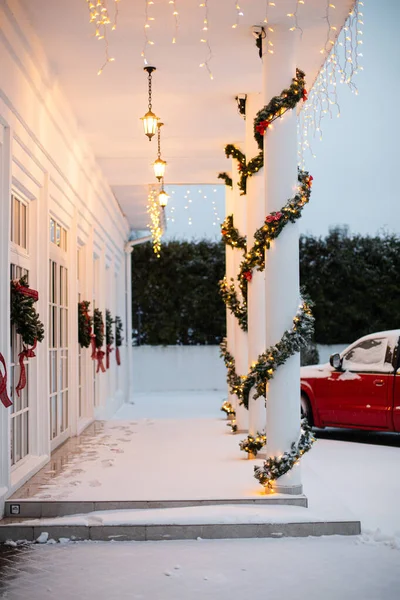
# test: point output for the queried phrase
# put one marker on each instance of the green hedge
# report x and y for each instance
(178, 293)
(353, 280)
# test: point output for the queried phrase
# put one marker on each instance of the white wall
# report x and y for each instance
(157, 368)
(326, 350)
(45, 159)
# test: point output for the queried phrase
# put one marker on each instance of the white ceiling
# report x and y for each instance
(200, 114)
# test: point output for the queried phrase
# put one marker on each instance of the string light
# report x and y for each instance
(341, 65)
(147, 20)
(239, 13)
(100, 18)
(295, 15)
(155, 225)
(268, 29)
(204, 39)
(175, 14)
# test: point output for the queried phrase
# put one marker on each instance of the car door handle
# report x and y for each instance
(379, 382)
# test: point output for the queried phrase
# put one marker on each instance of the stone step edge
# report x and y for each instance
(59, 508)
(17, 532)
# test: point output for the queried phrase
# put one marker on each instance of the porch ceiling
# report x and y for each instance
(200, 114)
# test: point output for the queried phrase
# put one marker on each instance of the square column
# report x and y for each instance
(282, 259)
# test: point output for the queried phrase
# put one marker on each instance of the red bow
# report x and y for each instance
(309, 180)
(262, 126)
(26, 353)
(108, 352)
(3, 384)
(117, 356)
(224, 231)
(93, 344)
(274, 217)
(248, 275)
(99, 357)
(240, 167)
(305, 95)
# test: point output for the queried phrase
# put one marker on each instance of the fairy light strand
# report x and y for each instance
(341, 66)
(100, 18)
(205, 40)
(148, 18)
(155, 225)
(175, 14)
(269, 45)
(239, 13)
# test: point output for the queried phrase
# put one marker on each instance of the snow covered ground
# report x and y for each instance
(144, 444)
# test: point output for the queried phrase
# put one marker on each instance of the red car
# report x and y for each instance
(359, 388)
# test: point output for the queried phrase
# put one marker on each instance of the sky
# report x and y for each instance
(356, 165)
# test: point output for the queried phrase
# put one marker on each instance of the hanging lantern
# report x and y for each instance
(163, 197)
(159, 165)
(150, 120)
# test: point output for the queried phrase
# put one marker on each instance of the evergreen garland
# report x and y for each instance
(229, 296)
(276, 466)
(226, 178)
(98, 327)
(253, 444)
(278, 105)
(231, 236)
(84, 324)
(23, 313)
(109, 328)
(228, 409)
(118, 331)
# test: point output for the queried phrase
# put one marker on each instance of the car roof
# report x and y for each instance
(392, 333)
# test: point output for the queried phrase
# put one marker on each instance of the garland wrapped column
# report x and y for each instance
(282, 258)
(240, 353)
(230, 274)
(256, 284)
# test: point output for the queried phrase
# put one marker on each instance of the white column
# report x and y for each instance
(239, 221)
(282, 259)
(255, 200)
(230, 273)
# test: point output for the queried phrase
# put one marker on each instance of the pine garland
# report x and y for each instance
(273, 226)
(23, 313)
(226, 178)
(229, 296)
(98, 327)
(118, 331)
(84, 324)
(231, 236)
(232, 378)
(233, 426)
(279, 105)
(276, 466)
(253, 444)
(228, 409)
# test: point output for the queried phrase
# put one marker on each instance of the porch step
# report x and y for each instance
(16, 508)
(185, 531)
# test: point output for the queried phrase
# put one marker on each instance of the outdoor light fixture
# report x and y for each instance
(163, 197)
(150, 120)
(159, 165)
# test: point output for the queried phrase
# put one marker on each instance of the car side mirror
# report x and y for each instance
(335, 361)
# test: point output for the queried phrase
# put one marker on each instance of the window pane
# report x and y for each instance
(368, 352)
(58, 234)
(23, 226)
(16, 221)
(52, 231)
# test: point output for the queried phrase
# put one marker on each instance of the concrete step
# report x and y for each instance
(158, 532)
(42, 508)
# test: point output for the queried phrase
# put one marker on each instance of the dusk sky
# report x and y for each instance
(357, 164)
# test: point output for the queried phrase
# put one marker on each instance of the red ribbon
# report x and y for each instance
(262, 126)
(108, 352)
(117, 356)
(248, 275)
(26, 291)
(3, 384)
(93, 343)
(26, 353)
(99, 357)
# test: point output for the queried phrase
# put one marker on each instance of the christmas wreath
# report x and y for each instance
(84, 324)
(109, 336)
(27, 323)
(118, 338)
(98, 339)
